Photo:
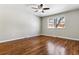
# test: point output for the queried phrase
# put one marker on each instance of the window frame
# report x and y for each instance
(55, 20)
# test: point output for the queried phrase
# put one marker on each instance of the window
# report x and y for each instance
(56, 22)
(51, 23)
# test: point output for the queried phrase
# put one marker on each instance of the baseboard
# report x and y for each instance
(39, 35)
(61, 37)
(17, 38)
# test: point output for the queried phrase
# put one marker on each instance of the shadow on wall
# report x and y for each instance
(54, 49)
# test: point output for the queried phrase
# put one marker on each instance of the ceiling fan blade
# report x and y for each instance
(36, 11)
(34, 8)
(46, 8)
(42, 11)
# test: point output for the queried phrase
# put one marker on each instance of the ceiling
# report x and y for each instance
(54, 9)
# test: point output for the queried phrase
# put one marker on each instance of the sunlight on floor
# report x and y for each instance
(54, 49)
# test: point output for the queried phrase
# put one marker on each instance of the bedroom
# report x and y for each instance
(39, 29)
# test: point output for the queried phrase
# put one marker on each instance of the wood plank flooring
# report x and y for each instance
(40, 45)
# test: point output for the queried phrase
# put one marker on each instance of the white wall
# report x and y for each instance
(71, 29)
(16, 21)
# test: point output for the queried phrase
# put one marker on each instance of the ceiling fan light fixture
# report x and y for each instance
(40, 8)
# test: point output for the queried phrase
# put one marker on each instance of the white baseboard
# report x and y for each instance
(38, 35)
(11, 39)
(16, 38)
(62, 37)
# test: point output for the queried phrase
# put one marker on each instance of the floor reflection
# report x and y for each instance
(54, 49)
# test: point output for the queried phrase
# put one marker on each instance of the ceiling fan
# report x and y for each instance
(40, 7)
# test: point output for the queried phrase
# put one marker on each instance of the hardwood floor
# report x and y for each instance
(40, 45)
